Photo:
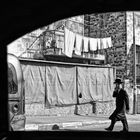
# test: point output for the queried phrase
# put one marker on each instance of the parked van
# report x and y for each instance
(16, 93)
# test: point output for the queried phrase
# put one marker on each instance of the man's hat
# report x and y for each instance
(118, 80)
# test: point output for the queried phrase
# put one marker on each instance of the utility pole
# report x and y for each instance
(134, 79)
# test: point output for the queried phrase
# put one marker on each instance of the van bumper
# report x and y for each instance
(18, 123)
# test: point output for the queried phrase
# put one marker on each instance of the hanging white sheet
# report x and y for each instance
(69, 42)
(93, 44)
(86, 41)
(109, 42)
(78, 45)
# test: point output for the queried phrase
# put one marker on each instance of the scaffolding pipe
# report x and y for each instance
(134, 79)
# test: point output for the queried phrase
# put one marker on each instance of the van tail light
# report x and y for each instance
(15, 108)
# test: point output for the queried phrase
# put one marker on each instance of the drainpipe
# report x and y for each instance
(134, 81)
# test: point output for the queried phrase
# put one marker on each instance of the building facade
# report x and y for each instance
(120, 27)
(111, 25)
(117, 25)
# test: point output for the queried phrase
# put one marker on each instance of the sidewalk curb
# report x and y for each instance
(49, 126)
(34, 127)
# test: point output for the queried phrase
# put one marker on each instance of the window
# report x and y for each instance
(12, 80)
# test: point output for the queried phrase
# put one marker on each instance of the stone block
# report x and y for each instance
(104, 108)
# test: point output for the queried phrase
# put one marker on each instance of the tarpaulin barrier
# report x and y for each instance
(95, 84)
(108, 86)
(60, 85)
(34, 76)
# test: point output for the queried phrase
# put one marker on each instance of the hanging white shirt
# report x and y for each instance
(69, 42)
(93, 44)
(104, 43)
(99, 43)
(78, 45)
(109, 42)
(86, 41)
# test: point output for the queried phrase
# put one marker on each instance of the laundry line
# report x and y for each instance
(79, 43)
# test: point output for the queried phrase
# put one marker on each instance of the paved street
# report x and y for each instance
(133, 127)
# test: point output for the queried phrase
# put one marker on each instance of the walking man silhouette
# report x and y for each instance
(122, 105)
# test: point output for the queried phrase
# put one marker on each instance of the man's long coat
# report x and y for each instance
(122, 104)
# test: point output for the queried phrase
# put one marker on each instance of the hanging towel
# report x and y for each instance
(78, 45)
(99, 43)
(101, 46)
(69, 42)
(104, 43)
(93, 44)
(86, 40)
(109, 42)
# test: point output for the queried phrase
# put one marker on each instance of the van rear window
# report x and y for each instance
(12, 79)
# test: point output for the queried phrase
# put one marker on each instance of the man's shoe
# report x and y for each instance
(108, 129)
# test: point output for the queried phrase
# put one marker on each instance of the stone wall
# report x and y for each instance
(129, 20)
(110, 25)
(83, 109)
(40, 110)
(105, 108)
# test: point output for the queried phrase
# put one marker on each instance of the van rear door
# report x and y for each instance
(16, 95)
